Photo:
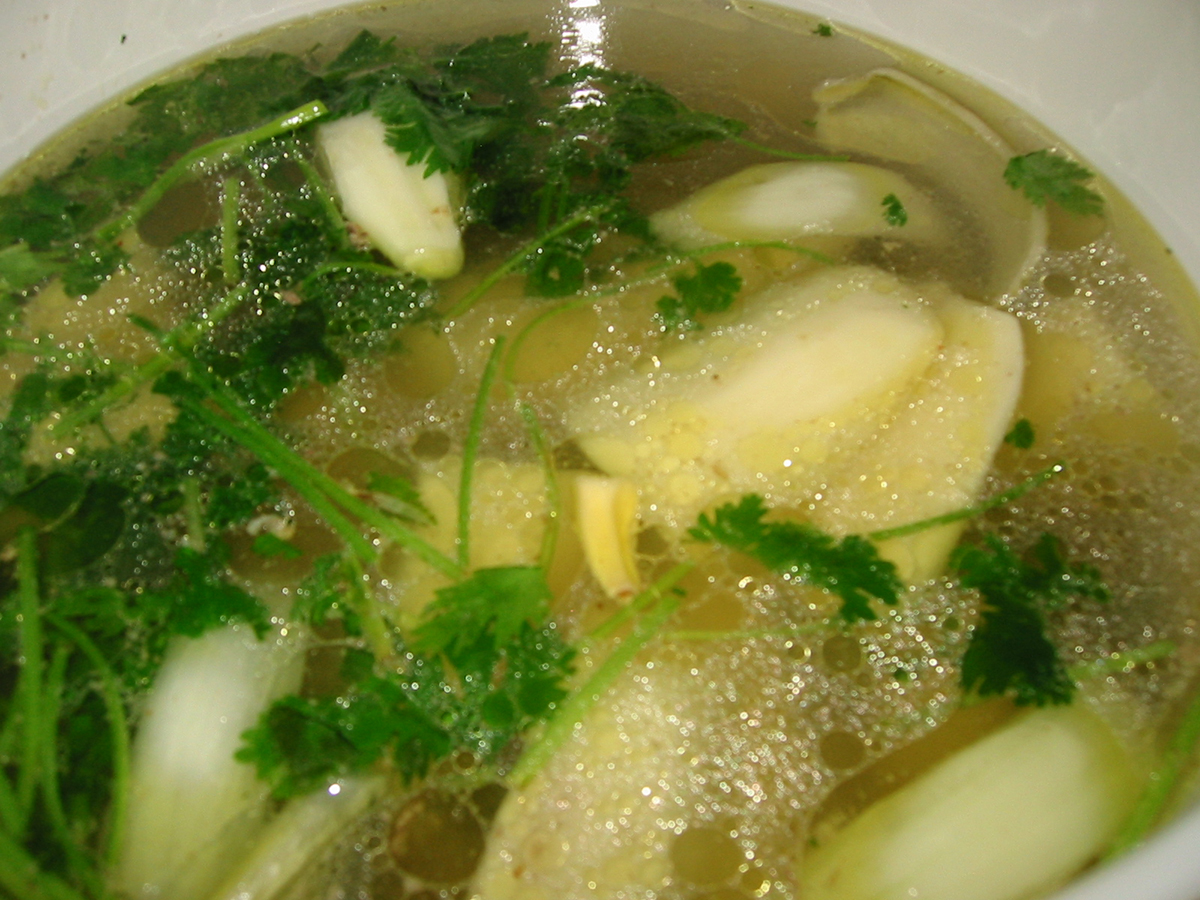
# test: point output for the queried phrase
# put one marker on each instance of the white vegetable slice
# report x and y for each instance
(793, 200)
(893, 116)
(193, 809)
(290, 843)
(407, 215)
(813, 372)
(934, 457)
(1015, 814)
(606, 512)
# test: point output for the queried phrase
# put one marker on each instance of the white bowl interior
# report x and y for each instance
(1118, 81)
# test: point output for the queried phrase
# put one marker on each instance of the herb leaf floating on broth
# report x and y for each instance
(266, 600)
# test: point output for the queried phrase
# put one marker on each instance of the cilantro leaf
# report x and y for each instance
(712, 289)
(440, 135)
(1020, 435)
(1010, 651)
(1043, 175)
(366, 51)
(492, 604)
(850, 568)
(894, 212)
(200, 597)
(301, 744)
(477, 634)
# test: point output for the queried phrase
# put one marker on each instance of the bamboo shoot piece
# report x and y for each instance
(1015, 814)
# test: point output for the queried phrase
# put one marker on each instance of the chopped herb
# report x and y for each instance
(712, 289)
(823, 29)
(487, 634)
(271, 545)
(1020, 435)
(894, 211)
(850, 568)
(1043, 175)
(1010, 651)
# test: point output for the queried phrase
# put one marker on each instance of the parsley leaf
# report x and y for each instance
(486, 635)
(894, 211)
(491, 604)
(1020, 435)
(200, 597)
(1043, 175)
(850, 568)
(1010, 651)
(712, 289)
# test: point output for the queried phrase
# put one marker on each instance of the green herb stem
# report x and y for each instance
(652, 594)
(471, 451)
(969, 512)
(1122, 661)
(231, 195)
(553, 490)
(78, 860)
(1160, 787)
(329, 207)
(787, 154)
(23, 879)
(29, 682)
(374, 626)
(571, 713)
(226, 146)
(178, 340)
(324, 493)
(118, 727)
(291, 468)
(516, 260)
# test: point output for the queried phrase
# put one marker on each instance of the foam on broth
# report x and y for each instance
(715, 758)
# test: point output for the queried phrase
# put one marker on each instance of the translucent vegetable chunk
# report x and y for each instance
(1015, 814)
(852, 392)
(194, 810)
(892, 116)
(409, 216)
(793, 200)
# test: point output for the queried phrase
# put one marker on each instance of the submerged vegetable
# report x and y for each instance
(616, 499)
(1015, 814)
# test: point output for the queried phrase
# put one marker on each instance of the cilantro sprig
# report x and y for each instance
(851, 568)
(1045, 176)
(1010, 651)
(711, 289)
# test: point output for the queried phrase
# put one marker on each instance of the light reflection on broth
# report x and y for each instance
(754, 727)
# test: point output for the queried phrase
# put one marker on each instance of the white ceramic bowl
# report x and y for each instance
(1119, 81)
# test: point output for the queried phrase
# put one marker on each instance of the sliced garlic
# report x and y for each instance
(606, 511)
(1013, 815)
(409, 216)
(893, 116)
(794, 200)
